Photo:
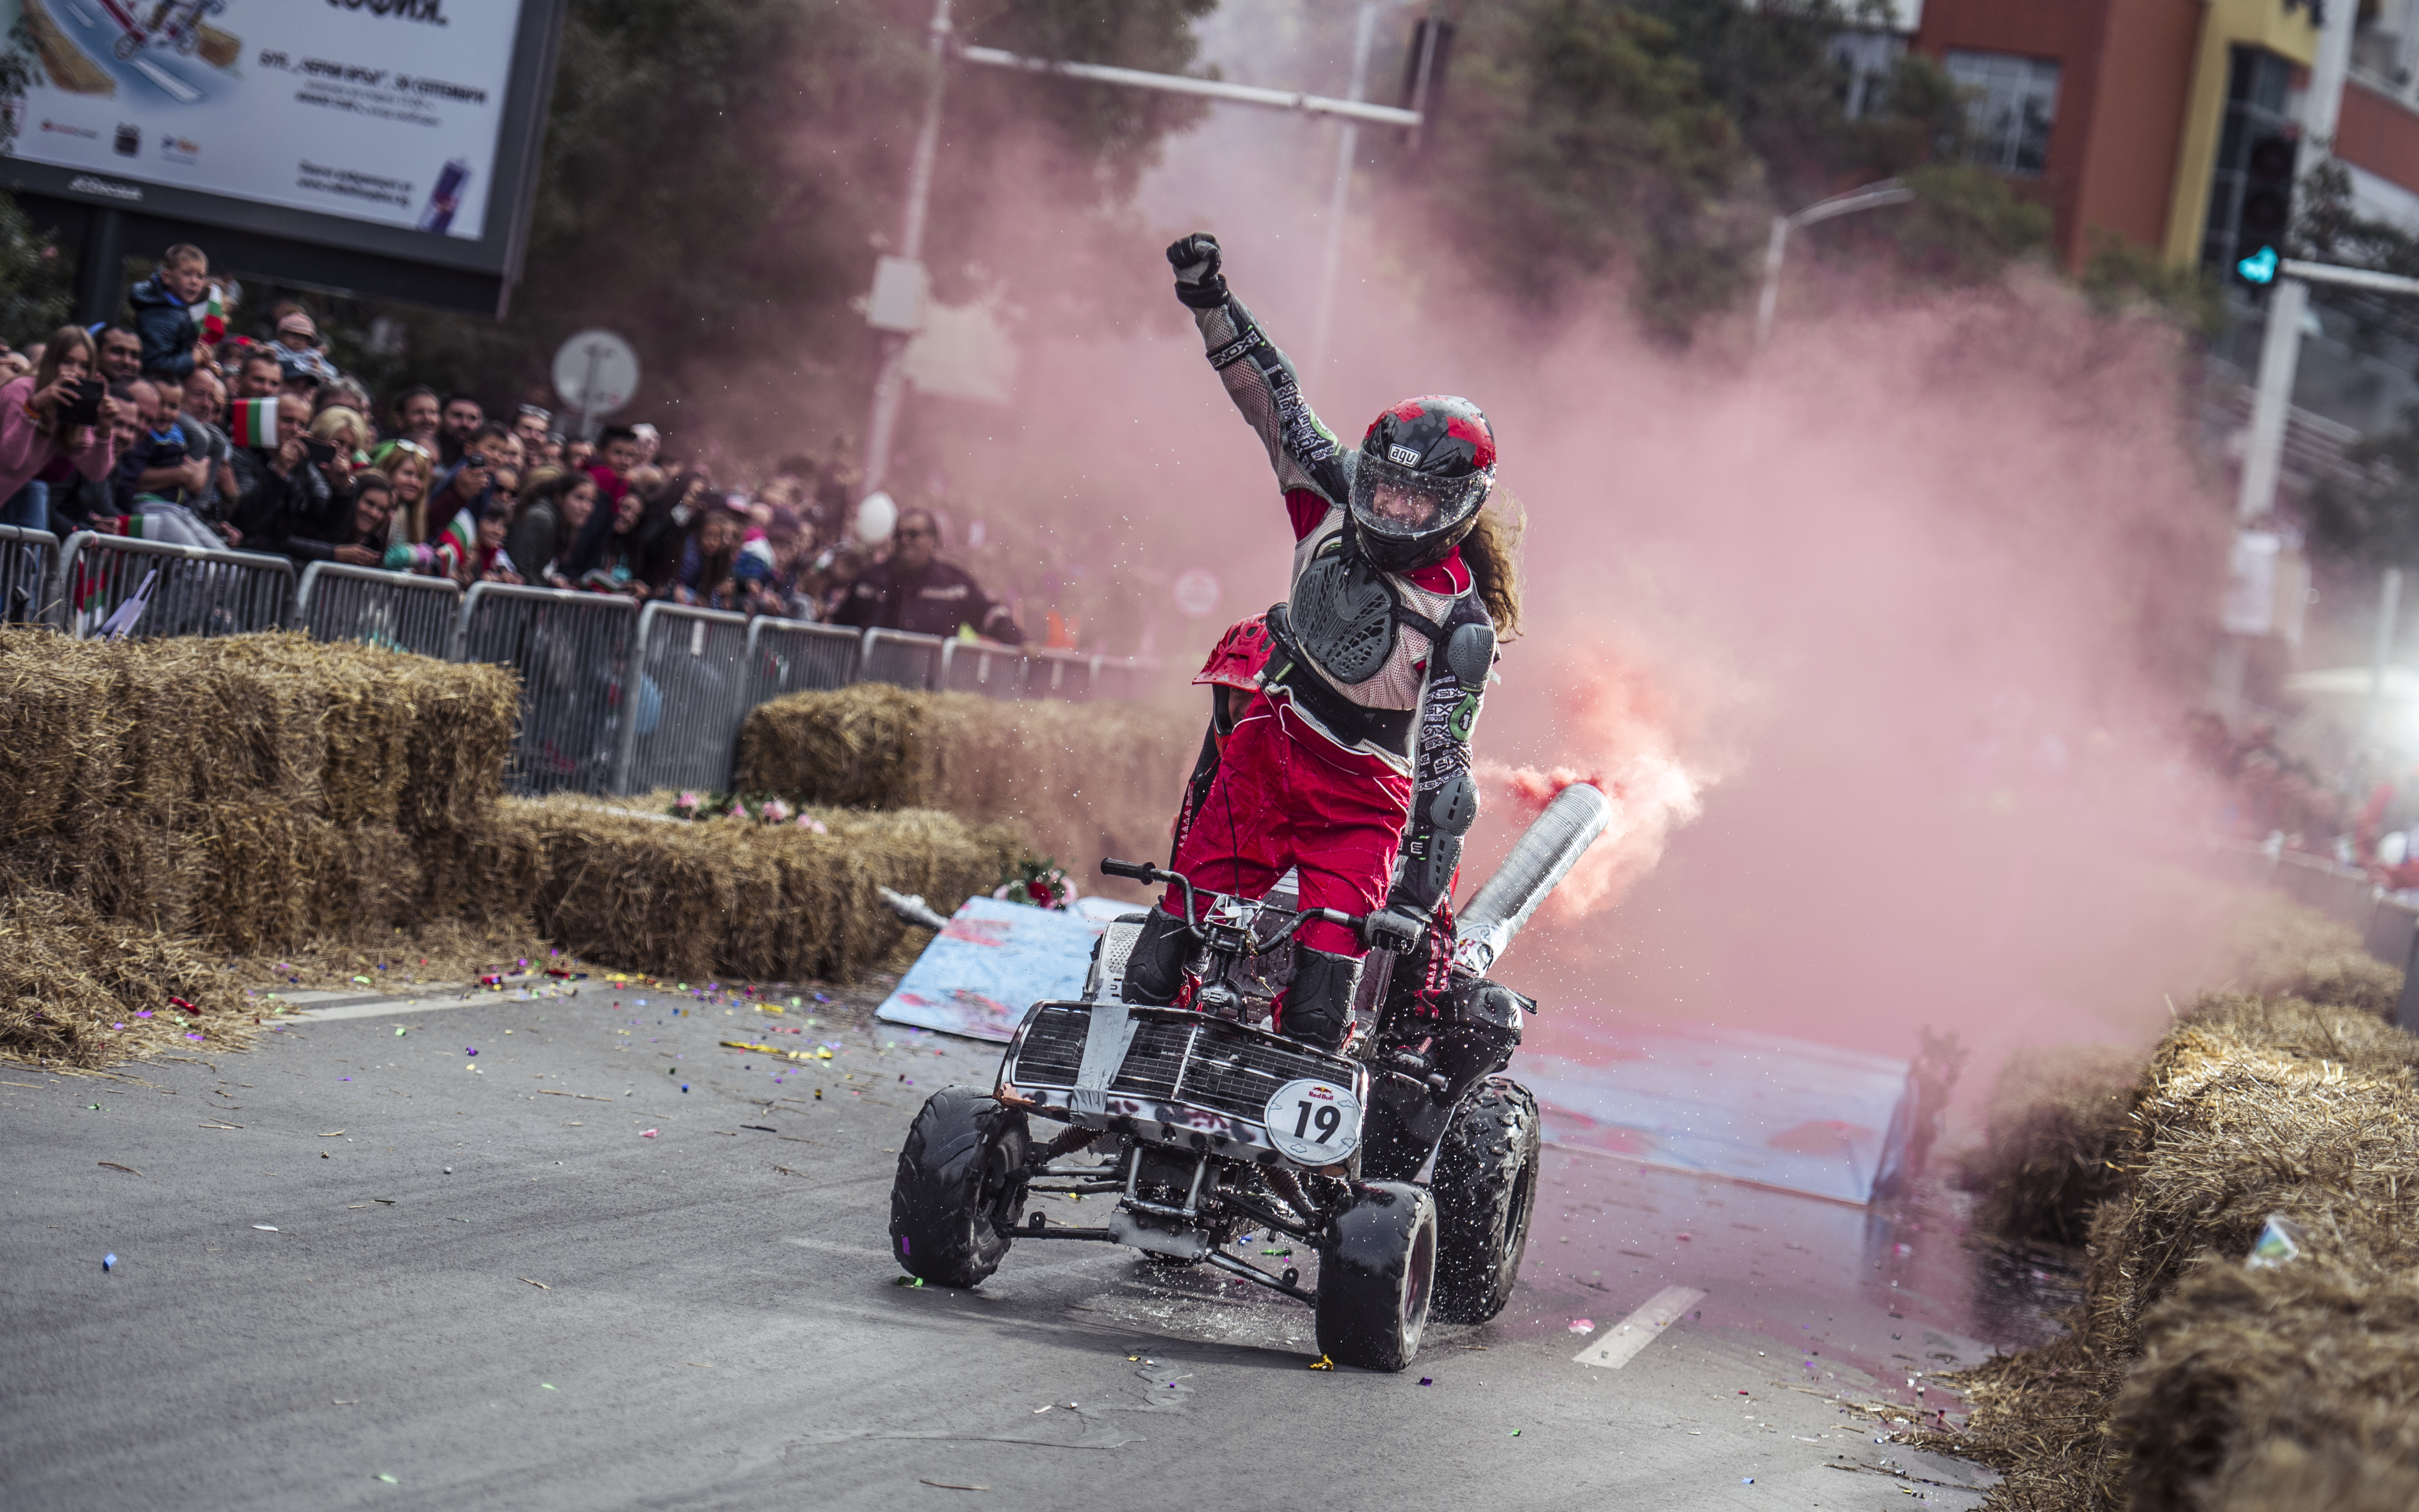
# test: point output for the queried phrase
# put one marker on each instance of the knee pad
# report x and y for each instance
(1319, 1004)
(1155, 966)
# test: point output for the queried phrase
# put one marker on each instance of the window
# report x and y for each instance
(2011, 102)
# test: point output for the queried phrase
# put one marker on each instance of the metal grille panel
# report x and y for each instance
(1052, 1051)
(1152, 1064)
(398, 610)
(572, 651)
(687, 702)
(192, 591)
(795, 656)
(28, 562)
(899, 657)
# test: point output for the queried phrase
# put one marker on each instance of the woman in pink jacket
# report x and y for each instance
(37, 443)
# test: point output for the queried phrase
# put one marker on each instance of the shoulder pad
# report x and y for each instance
(1469, 651)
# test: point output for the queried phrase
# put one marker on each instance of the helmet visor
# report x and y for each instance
(1400, 503)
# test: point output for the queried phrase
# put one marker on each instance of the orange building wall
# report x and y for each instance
(2138, 127)
(2378, 134)
(2124, 72)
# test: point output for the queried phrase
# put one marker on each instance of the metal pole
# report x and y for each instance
(889, 388)
(1184, 84)
(1873, 196)
(1364, 32)
(2389, 600)
(1768, 301)
(2280, 345)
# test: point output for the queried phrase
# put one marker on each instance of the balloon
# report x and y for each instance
(876, 516)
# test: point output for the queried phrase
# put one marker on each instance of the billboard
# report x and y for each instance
(403, 127)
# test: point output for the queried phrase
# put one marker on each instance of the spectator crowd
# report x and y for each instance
(172, 428)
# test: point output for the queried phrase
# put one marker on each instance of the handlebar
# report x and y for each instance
(1145, 872)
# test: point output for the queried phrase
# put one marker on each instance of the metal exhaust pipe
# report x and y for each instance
(1544, 855)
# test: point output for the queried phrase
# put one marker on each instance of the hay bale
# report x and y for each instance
(2249, 1106)
(2053, 1124)
(730, 897)
(70, 978)
(2252, 1107)
(2289, 950)
(1076, 780)
(2293, 1387)
(861, 747)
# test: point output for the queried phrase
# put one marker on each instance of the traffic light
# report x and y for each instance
(2266, 212)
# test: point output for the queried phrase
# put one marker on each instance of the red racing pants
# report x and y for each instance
(1286, 795)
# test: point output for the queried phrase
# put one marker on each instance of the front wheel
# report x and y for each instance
(1376, 1277)
(1486, 1190)
(960, 1190)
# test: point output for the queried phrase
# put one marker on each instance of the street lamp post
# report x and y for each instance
(891, 385)
(1870, 197)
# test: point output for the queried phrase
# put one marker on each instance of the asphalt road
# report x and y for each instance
(356, 1268)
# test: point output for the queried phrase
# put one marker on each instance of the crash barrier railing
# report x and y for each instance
(573, 652)
(586, 723)
(182, 589)
(691, 691)
(399, 611)
(28, 562)
(2388, 921)
(902, 658)
(969, 667)
(799, 657)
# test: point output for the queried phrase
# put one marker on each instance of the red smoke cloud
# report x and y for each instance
(1629, 728)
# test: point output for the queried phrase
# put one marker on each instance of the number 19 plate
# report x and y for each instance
(1314, 1122)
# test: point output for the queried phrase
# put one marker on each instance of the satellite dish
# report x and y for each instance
(877, 516)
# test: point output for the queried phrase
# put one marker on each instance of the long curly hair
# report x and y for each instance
(1491, 551)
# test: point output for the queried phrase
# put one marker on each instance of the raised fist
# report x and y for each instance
(1198, 282)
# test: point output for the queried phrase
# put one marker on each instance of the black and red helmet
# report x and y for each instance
(1424, 469)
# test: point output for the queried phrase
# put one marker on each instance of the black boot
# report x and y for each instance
(1319, 1004)
(1155, 969)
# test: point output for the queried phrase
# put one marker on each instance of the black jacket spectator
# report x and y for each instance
(934, 602)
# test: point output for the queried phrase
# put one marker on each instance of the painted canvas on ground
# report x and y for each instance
(994, 961)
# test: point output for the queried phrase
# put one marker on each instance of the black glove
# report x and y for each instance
(1198, 282)
(1395, 927)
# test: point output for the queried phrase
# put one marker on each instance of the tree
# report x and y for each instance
(34, 295)
(1664, 134)
(720, 176)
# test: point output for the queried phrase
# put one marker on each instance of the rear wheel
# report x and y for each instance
(1486, 1190)
(1376, 1277)
(960, 1190)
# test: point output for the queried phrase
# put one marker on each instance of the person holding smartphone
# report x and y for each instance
(54, 422)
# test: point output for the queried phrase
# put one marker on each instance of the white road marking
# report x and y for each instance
(1622, 1342)
(179, 90)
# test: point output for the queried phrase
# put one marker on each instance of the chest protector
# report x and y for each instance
(1343, 613)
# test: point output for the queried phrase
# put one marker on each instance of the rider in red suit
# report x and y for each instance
(1355, 752)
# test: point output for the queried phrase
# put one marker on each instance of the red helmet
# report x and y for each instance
(1424, 469)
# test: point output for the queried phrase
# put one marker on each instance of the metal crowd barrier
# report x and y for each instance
(573, 652)
(692, 690)
(902, 658)
(28, 562)
(185, 589)
(969, 667)
(799, 657)
(399, 611)
(1062, 674)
